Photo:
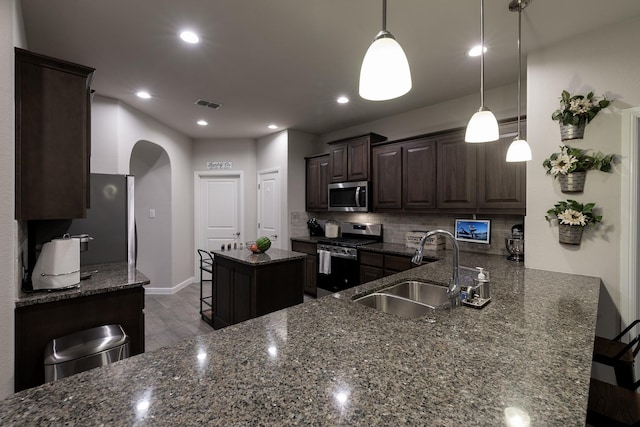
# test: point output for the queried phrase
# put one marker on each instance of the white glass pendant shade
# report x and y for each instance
(519, 151)
(385, 70)
(483, 127)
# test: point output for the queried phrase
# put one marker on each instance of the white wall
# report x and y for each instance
(605, 61)
(242, 154)
(272, 152)
(502, 101)
(152, 170)
(11, 34)
(133, 126)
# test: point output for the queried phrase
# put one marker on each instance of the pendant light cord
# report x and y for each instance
(481, 53)
(519, 61)
(384, 15)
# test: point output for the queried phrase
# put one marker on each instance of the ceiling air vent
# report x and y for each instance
(209, 104)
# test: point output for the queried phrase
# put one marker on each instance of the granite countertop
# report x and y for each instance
(308, 239)
(402, 250)
(332, 361)
(245, 256)
(104, 278)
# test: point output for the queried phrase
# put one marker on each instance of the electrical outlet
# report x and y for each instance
(152, 213)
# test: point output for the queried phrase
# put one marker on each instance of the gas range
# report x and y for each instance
(353, 236)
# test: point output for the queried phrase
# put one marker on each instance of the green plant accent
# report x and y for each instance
(570, 212)
(570, 160)
(578, 109)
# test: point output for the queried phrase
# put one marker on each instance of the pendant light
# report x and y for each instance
(519, 150)
(385, 70)
(483, 126)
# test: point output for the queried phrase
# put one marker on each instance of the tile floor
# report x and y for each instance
(170, 319)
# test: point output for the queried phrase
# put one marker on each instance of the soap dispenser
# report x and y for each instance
(483, 284)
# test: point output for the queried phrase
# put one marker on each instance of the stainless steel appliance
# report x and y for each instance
(515, 243)
(110, 220)
(338, 257)
(349, 196)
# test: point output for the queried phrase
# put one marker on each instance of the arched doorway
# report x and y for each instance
(150, 165)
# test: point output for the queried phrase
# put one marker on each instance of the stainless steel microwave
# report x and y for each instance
(349, 196)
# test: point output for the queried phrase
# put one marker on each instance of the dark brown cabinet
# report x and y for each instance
(349, 158)
(457, 173)
(38, 324)
(317, 198)
(52, 137)
(310, 265)
(501, 184)
(404, 176)
(387, 181)
(375, 265)
(243, 291)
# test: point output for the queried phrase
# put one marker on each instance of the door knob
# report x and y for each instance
(275, 236)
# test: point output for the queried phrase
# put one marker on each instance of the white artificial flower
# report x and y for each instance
(572, 217)
(562, 164)
(580, 106)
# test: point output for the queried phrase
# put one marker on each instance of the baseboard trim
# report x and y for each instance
(171, 290)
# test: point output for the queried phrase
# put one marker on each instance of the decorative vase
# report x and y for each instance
(572, 182)
(568, 132)
(570, 234)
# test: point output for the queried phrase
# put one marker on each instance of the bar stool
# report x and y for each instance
(609, 404)
(206, 301)
(619, 355)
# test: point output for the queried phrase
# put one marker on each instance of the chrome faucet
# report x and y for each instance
(454, 287)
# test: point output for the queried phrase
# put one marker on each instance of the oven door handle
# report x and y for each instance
(344, 256)
(358, 196)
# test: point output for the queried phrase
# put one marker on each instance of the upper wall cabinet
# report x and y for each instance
(501, 185)
(404, 175)
(349, 158)
(317, 183)
(457, 170)
(52, 137)
(443, 173)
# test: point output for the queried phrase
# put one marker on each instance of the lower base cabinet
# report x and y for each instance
(374, 265)
(242, 292)
(38, 324)
(310, 265)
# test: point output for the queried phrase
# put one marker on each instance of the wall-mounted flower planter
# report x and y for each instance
(572, 182)
(570, 132)
(570, 234)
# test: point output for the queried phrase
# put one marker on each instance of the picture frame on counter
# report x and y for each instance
(473, 230)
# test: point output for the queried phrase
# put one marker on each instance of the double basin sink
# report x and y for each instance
(409, 299)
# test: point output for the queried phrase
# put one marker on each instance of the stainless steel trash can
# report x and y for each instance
(84, 350)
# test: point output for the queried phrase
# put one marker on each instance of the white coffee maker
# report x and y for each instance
(58, 266)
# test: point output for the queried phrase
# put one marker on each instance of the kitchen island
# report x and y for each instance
(334, 362)
(248, 285)
(112, 295)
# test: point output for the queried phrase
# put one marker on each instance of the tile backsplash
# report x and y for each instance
(395, 226)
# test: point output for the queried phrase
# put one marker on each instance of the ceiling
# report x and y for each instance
(286, 61)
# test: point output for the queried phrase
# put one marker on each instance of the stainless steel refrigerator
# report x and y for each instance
(110, 220)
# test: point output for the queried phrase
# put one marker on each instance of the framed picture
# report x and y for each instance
(472, 230)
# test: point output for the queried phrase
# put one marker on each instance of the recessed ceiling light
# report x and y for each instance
(475, 51)
(342, 100)
(202, 122)
(189, 37)
(272, 127)
(143, 94)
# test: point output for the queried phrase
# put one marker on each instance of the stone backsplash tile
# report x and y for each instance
(395, 226)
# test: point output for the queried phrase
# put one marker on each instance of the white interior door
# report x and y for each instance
(218, 210)
(269, 206)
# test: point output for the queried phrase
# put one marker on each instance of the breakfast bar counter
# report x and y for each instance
(525, 356)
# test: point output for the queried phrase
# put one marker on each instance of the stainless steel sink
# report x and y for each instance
(434, 296)
(409, 299)
(395, 305)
